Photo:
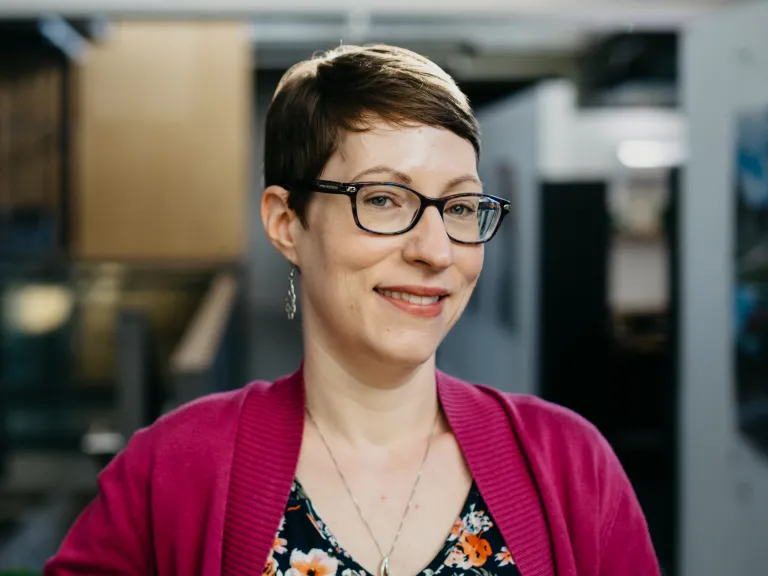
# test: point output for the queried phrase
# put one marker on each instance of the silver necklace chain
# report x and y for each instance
(384, 567)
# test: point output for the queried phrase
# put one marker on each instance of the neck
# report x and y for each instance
(349, 401)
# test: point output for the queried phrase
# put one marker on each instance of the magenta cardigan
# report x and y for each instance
(202, 491)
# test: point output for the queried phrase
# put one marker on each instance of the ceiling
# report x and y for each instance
(477, 40)
(591, 10)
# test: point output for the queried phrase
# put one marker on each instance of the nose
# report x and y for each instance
(428, 243)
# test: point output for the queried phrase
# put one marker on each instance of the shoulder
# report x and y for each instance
(544, 421)
(203, 429)
(576, 468)
(551, 423)
(565, 444)
(561, 446)
(587, 496)
(574, 463)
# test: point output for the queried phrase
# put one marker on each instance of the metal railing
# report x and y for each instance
(208, 356)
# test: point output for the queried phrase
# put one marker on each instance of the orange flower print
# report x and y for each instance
(456, 559)
(314, 563)
(504, 557)
(476, 549)
(271, 567)
(458, 530)
(477, 522)
(279, 545)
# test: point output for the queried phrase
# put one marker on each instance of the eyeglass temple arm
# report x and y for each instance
(331, 187)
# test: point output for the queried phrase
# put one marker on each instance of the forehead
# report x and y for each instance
(414, 150)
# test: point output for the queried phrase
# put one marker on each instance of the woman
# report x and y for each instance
(367, 460)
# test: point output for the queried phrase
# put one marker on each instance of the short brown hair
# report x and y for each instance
(345, 89)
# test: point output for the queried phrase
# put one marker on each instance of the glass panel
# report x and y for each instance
(750, 197)
(386, 209)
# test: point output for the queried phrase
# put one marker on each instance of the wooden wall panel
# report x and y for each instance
(29, 136)
(162, 143)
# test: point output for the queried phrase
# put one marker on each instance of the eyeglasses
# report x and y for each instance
(388, 209)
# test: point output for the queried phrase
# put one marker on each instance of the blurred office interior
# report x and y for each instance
(629, 283)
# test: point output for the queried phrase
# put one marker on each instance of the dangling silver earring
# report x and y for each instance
(290, 299)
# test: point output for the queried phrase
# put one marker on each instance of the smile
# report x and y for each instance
(412, 298)
(419, 301)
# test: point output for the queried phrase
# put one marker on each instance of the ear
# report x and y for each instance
(280, 222)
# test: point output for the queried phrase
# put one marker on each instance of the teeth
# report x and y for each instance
(413, 299)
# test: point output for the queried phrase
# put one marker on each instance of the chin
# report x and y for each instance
(406, 350)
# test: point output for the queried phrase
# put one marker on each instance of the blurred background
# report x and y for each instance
(630, 284)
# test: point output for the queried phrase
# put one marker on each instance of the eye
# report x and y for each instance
(379, 201)
(461, 209)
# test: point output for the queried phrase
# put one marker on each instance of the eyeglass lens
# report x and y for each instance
(389, 209)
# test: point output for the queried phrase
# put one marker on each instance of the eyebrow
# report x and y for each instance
(403, 178)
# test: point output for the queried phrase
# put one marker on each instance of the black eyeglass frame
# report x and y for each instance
(351, 190)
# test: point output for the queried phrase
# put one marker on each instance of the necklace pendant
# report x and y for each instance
(384, 567)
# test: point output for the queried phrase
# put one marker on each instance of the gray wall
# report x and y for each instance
(276, 345)
(480, 348)
(724, 484)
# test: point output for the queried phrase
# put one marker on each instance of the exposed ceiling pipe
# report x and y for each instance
(613, 12)
(47, 33)
(64, 36)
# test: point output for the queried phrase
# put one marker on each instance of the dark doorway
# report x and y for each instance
(573, 343)
(621, 375)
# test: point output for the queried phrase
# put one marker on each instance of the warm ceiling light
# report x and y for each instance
(39, 309)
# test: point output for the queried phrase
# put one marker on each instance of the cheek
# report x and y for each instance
(348, 254)
(469, 262)
(337, 254)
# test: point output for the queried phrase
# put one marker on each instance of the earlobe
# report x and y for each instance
(278, 220)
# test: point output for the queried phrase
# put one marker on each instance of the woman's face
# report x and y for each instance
(353, 282)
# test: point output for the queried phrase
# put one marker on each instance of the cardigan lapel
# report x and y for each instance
(266, 453)
(492, 449)
(267, 449)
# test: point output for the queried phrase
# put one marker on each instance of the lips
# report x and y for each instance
(412, 298)
(414, 290)
(422, 301)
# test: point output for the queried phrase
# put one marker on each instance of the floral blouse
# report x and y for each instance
(304, 546)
